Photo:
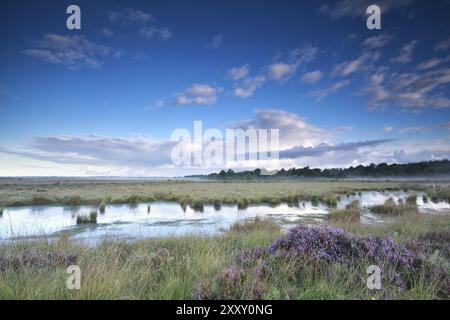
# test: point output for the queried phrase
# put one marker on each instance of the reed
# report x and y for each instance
(87, 219)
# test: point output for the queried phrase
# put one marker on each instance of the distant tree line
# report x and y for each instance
(424, 168)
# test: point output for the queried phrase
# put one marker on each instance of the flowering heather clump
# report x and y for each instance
(230, 281)
(432, 241)
(387, 250)
(317, 242)
(234, 282)
(336, 245)
(231, 276)
(248, 256)
(204, 290)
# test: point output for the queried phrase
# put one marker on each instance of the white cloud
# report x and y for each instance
(348, 67)
(99, 150)
(198, 94)
(416, 129)
(303, 55)
(322, 93)
(424, 128)
(413, 91)
(443, 45)
(279, 71)
(237, 73)
(298, 57)
(130, 17)
(377, 42)
(301, 144)
(294, 131)
(312, 76)
(141, 21)
(326, 149)
(246, 88)
(72, 51)
(149, 32)
(429, 64)
(357, 8)
(406, 52)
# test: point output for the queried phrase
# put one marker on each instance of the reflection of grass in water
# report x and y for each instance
(179, 222)
(121, 269)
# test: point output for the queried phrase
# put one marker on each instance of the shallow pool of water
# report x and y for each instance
(168, 218)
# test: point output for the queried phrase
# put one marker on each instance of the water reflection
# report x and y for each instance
(166, 218)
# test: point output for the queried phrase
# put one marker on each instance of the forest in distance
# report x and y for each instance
(432, 168)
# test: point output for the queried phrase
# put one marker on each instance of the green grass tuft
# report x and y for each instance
(87, 219)
(391, 208)
(351, 213)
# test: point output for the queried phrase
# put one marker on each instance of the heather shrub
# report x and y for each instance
(234, 282)
(312, 251)
(431, 242)
(336, 245)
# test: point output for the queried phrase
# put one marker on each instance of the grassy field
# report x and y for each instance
(75, 192)
(228, 266)
(255, 260)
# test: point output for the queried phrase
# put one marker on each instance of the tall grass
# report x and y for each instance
(102, 207)
(390, 207)
(211, 267)
(87, 219)
(351, 213)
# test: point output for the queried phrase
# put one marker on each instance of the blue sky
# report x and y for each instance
(105, 99)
